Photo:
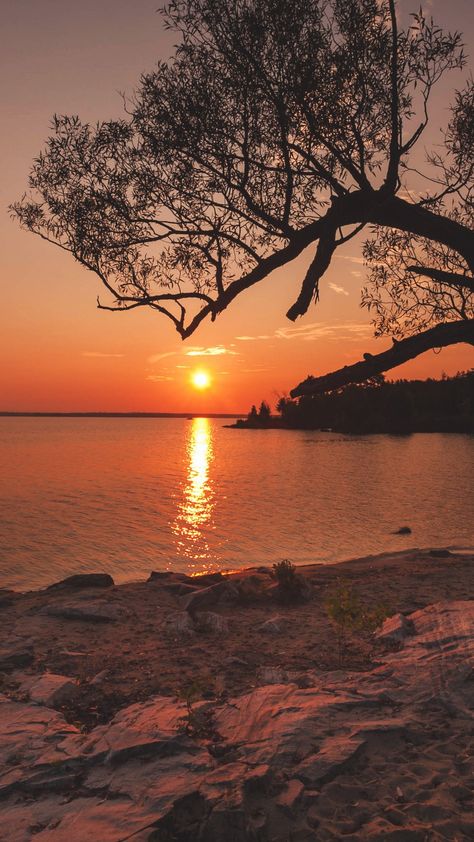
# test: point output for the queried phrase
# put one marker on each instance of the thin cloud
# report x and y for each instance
(340, 290)
(352, 258)
(99, 354)
(253, 338)
(155, 358)
(325, 330)
(214, 351)
(158, 378)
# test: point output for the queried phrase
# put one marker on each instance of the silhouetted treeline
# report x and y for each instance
(402, 406)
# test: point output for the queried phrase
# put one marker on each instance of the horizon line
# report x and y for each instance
(113, 414)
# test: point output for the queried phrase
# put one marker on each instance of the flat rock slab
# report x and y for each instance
(274, 751)
(93, 611)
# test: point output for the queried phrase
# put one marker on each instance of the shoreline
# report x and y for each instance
(179, 687)
(139, 611)
(301, 567)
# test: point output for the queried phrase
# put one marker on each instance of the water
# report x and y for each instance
(127, 495)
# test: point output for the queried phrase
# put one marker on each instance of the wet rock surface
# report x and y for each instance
(383, 753)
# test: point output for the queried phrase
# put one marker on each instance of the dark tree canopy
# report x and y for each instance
(276, 127)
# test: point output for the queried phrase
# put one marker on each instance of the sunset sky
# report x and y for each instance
(58, 351)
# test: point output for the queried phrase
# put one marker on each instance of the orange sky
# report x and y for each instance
(58, 351)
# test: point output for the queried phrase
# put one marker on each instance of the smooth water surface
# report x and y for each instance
(128, 495)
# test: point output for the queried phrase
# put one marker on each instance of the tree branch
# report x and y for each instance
(452, 278)
(449, 333)
(394, 154)
(319, 264)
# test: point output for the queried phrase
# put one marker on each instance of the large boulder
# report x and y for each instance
(83, 580)
(171, 577)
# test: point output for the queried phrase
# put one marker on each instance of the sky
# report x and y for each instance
(58, 352)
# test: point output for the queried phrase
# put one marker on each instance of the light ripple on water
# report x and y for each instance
(127, 496)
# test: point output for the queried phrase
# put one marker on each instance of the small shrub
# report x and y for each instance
(289, 585)
(285, 573)
(194, 722)
(348, 614)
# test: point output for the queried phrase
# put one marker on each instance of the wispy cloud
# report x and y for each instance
(352, 258)
(325, 330)
(339, 290)
(99, 354)
(318, 330)
(253, 338)
(158, 378)
(155, 358)
(214, 351)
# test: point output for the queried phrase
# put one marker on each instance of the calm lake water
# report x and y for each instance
(127, 495)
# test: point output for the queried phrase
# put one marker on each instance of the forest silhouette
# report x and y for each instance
(378, 406)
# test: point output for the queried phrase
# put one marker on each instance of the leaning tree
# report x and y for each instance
(276, 127)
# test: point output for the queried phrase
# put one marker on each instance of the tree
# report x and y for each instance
(252, 417)
(264, 413)
(276, 127)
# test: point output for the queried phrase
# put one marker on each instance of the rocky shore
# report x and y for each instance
(217, 708)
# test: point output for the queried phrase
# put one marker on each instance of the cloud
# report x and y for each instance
(99, 354)
(315, 330)
(340, 290)
(325, 330)
(352, 258)
(214, 351)
(253, 338)
(155, 358)
(158, 378)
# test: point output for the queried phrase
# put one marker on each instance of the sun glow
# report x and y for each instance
(200, 379)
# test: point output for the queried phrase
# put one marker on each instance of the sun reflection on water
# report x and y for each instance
(196, 505)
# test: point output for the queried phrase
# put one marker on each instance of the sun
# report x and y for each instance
(201, 379)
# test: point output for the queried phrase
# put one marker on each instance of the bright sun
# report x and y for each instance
(200, 379)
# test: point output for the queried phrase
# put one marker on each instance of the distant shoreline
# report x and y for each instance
(121, 414)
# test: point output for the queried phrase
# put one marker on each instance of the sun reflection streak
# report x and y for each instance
(196, 505)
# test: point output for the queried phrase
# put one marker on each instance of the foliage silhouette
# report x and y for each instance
(404, 406)
(276, 127)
